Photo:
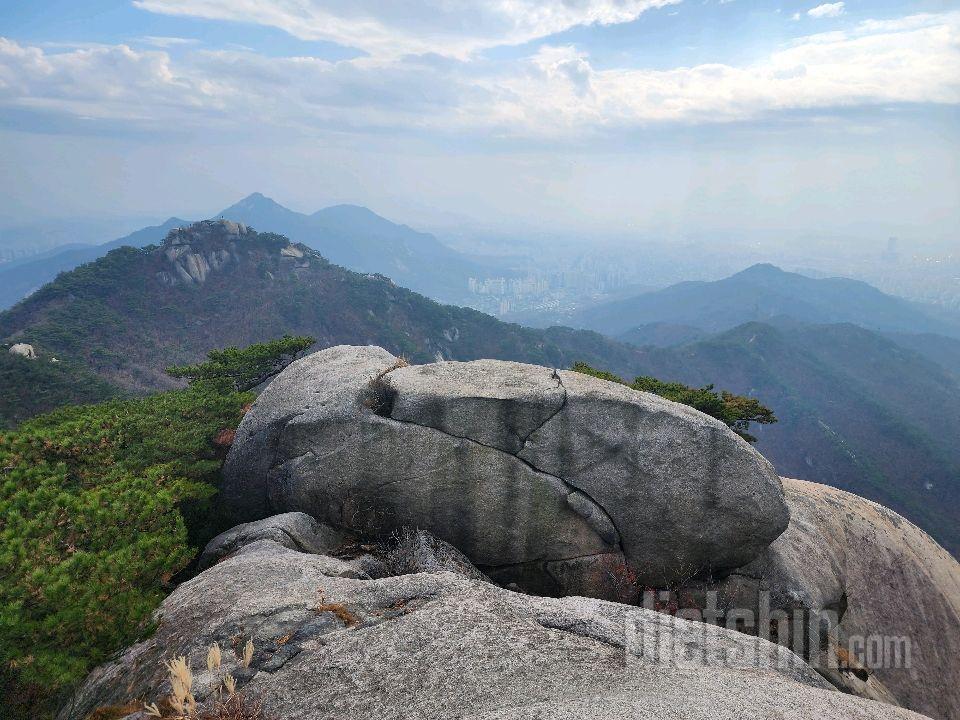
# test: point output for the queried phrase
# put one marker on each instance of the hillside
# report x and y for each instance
(763, 292)
(31, 387)
(134, 312)
(661, 334)
(17, 280)
(945, 351)
(856, 411)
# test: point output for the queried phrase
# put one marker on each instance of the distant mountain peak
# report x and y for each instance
(348, 209)
(254, 203)
(346, 212)
(762, 270)
(257, 198)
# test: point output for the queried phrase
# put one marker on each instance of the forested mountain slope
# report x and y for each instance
(856, 411)
(134, 312)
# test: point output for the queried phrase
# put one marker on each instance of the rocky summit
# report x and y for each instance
(493, 540)
(555, 481)
(438, 644)
(191, 253)
(886, 582)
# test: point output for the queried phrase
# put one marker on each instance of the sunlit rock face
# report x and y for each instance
(191, 253)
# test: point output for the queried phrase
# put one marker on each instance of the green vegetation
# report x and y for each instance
(737, 411)
(100, 507)
(117, 318)
(243, 370)
(31, 387)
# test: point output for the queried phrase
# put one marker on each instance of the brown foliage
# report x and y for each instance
(236, 706)
(114, 712)
(338, 609)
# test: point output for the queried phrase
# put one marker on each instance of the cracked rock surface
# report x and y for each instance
(439, 645)
(556, 481)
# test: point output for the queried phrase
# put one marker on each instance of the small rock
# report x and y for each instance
(294, 530)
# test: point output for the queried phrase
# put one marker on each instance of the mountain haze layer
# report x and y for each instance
(764, 292)
(17, 280)
(348, 235)
(361, 240)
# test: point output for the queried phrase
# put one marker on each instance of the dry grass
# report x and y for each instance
(114, 712)
(181, 687)
(214, 657)
(247, 656)
(224, 439)
(227, 703)
(235, 706)
(848, 663)
(338, 609)
(341, 611)
(379, 393)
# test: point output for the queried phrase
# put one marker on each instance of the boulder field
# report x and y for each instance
(552, 480)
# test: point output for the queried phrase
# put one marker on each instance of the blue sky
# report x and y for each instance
(598, 116)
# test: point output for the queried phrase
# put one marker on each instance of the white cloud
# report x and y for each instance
(827, 10)
(914, 61)
(557, 92)
(166, 42)
(389, 28)
(91, 82)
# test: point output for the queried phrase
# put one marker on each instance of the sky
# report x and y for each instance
(660, 118)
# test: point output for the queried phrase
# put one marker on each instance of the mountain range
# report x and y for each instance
(349, 235)
(130, 314)
(875, 413)
(856, 410)
(764, 292)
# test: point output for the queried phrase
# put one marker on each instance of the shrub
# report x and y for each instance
(242, 370)
(380, 395)
(737, 411)
(101, 506)
(92, 528)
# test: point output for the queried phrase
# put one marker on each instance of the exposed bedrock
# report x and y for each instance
(554, 480)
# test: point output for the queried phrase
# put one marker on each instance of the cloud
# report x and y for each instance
(90, 82)
(827, 10)
(388, 28)
(151, 91)
(166, 42)
(554, 93)
(914, 60)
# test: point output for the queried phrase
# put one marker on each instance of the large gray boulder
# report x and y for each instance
(557, 481)
(890, 585)
(440, 646)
